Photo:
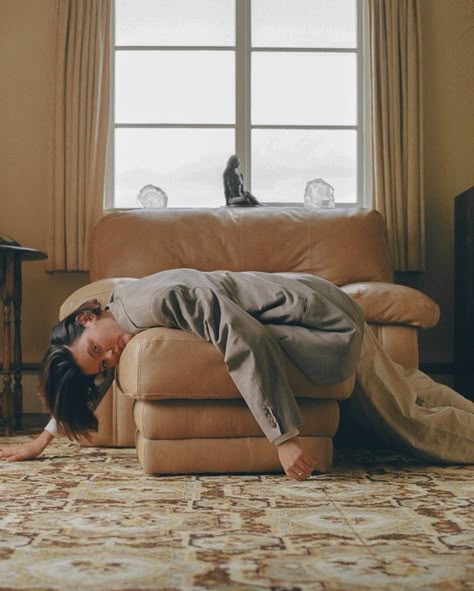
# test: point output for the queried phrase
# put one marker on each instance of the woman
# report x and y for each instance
(251, 317)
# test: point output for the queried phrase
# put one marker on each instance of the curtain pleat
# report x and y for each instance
(397, 127)
(81, 125)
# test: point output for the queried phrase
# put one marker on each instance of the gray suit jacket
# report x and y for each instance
(251, 317)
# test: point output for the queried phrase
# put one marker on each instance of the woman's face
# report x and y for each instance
(101, 343)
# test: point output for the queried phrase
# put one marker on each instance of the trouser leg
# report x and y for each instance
(440, 427)
(430, 394)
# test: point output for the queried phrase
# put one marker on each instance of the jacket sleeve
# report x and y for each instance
(254, 360)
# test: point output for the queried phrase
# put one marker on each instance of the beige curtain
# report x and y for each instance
(81, 125)
(397, 127)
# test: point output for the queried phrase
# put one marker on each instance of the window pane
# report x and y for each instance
(303, 89)
(175, 22)
(185, 163)
(174, 87)
(283, 161)
(304, 23)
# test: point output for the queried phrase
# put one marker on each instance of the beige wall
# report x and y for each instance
(448, 86)
(27, 29)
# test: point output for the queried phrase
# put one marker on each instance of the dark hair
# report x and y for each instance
(69, 394)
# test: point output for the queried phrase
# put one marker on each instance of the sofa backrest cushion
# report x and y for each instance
(341, 245)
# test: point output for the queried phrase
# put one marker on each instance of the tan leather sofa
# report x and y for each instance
(172, 396)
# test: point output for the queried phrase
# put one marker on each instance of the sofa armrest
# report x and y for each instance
(389, 303)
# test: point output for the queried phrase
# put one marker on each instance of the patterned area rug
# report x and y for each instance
(90, 519)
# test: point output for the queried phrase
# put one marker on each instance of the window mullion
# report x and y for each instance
(108, 200)
(242, 87)
(364, 116)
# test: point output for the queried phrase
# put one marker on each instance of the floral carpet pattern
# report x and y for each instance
(88, 518)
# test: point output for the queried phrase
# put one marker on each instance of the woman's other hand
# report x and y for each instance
(28, 450)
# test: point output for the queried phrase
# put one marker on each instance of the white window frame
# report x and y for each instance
(243, 126)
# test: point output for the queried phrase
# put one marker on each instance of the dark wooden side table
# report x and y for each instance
(12, 255)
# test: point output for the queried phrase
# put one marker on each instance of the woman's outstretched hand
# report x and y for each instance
(26, 451)
(296, 462)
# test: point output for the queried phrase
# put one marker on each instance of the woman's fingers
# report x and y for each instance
(9, 451)
(15, 458)
(296, 462)
(298, 474)
(304, 467)
(308, 463)
(301, 472)
(24, 451)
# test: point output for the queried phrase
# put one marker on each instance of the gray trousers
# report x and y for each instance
(406, 409)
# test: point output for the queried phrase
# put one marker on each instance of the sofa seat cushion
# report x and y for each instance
(169, 363)
(178, 419)
(222, 455)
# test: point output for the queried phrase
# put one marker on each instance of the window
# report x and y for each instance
(276, 81)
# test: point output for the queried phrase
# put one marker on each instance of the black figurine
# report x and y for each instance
(235, 195)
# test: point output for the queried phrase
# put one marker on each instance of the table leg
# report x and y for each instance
(7, 290)
(17, 355)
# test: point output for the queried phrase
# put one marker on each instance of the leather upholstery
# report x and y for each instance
(385, 303)
(184, 410)
(171, 419)
(343, 246)
(179, 365)
(222, 455)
